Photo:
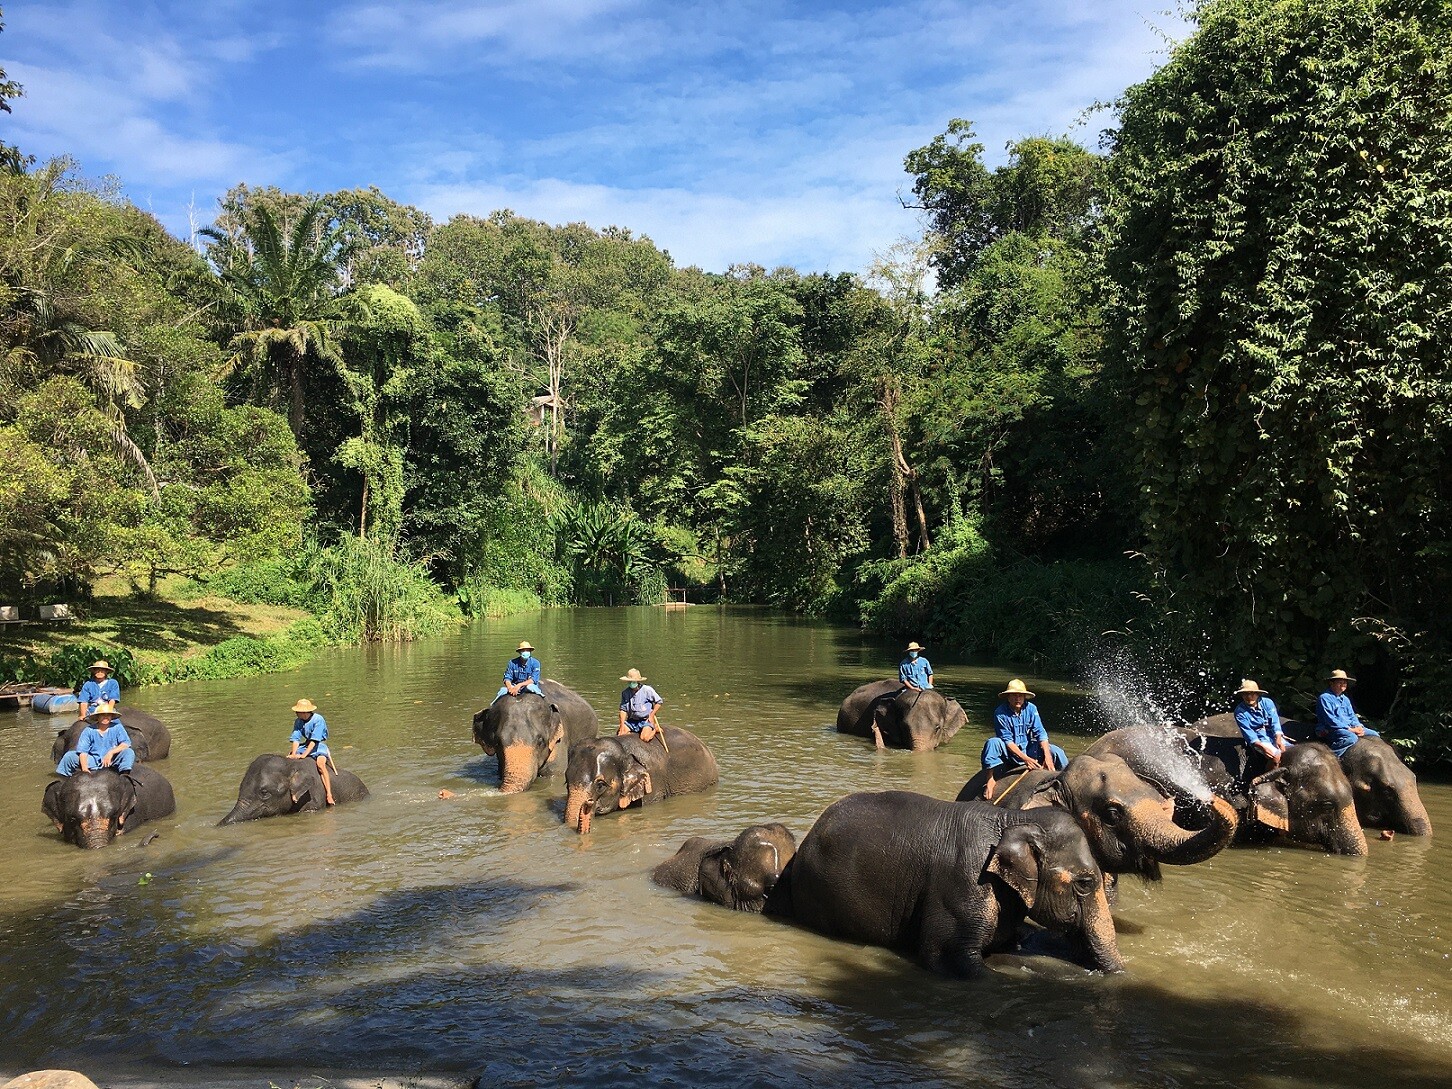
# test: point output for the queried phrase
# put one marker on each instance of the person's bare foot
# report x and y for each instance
(446, 794)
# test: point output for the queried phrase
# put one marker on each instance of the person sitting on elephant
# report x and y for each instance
(522, 674)
(1020, 740)
(309, 741)
(1336, 721)
(104, 743)
(101, 688)
(915, 672)
(637, 707)
(1259, 724)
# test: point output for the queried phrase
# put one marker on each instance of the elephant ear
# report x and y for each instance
(1016, 861)
(1268, 800)
(129, 800)
(1050, 794)
(635, 784)
(299, 782)
(713, 876)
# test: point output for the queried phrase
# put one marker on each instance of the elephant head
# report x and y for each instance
(523, 732)
(1129, 822)
(1307, 796)
(603, 774)
(738, 873)
(1046, 862)
(274, 785)
(922, 721)
(90, 809)
(1384, 788)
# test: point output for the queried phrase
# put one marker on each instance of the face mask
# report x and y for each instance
(912, 654)
(524, 654)
(634, 684)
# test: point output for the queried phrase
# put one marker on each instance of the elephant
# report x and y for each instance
(894, 716)
(525, 732)
(1384, 788)
(274, 785)
(738, 874)
(1128, 820)
(1306, 798)
(945, 882)
(90, 809)
(608, 773)
(150, 739)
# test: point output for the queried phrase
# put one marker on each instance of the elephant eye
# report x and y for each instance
(600, 781)
(1085, 884)
(1114, 813)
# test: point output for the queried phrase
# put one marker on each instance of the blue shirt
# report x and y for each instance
(314, 729)
(97, 743)
(1259, 725)
(522, 669)
(1335, 718)
(1019, 728)
(637, 703)
(93, 692)
(916, 671)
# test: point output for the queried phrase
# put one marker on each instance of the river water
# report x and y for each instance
(478, 934)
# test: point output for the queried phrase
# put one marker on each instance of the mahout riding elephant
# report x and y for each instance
(90, 809)
(528, 733)
(608, 773)
(1306, 799)
(1383, 787)
(945, 882)
(1129, 821)
(150, 739)
(274, 785)
(900, 718)
(736, 873)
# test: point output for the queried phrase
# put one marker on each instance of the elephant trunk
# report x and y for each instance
(1099, 932)
(518, 768)
(578, 809)
(1414, 819)
(95, 833)
(240, 812)
(1346, 836)
(1168, 843)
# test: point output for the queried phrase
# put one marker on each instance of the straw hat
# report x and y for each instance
(1250, 686)
(304, 707)
(632, 675)
(105, 707)
(916, 646)
(524, 644)
(101, 663)
(1016, 687)
(1340, 675)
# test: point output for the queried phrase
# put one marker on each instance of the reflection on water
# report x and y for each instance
(479, 934)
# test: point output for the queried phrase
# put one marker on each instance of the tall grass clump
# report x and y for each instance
(478, 599)
(368, 594)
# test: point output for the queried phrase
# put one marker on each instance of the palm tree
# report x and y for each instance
(284, 283)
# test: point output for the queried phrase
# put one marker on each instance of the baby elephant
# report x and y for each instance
(606, 774)
(945, 882)
(737, 873)
(275, 785)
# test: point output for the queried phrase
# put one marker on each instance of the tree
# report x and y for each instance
(1281, 321)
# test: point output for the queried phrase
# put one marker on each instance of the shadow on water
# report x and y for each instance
(351, 994)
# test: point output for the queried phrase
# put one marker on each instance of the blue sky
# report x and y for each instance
(730, 131)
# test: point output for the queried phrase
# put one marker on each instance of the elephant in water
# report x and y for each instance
(150, 739)
(528, 733)
(1128, 820)
(1382, 786)
(274, 785)
(609, 773)
(92, 808)
(1306, 799)
(895, 717)
(738, 873)
(945, 882)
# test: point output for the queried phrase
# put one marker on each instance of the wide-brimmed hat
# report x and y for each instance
(1340, 675)
(105, 707)
(1250, 686)
(1016, 687)
(632, 675)
(304, 707)
(916, 646)
(524, 644)
(101, 663)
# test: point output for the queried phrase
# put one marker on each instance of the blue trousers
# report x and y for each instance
(531, 687)
(636, 726)
(1341, 740)
(996, 755)
(71, 762)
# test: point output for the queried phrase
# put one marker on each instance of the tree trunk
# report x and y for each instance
(296, 412)
(363, 510)
(897, 481)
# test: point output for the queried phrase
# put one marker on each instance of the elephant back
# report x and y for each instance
(861, 709)
(689, 766)
(150, 739)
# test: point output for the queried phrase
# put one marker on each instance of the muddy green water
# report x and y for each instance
(479, 934)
